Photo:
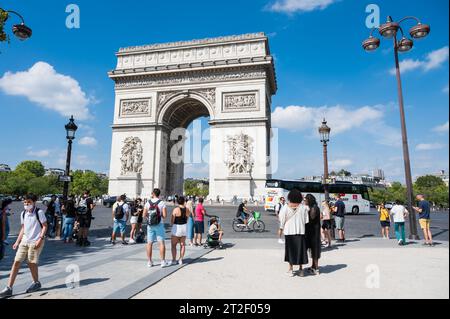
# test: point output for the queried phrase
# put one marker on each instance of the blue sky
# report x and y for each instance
(320, 65)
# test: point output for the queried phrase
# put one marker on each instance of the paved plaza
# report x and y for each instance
(364, 267)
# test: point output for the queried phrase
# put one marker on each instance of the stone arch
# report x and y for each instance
(182, 108)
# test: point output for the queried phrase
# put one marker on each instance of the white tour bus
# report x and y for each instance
(355, 196)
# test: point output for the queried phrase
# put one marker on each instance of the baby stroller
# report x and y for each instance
(212, 241)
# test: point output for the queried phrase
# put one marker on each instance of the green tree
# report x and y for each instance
(34, 167)
(88, 180)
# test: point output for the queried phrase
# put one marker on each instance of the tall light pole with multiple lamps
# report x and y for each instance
(389, 30)
(324, 132)
(21, 31)
(71, 128)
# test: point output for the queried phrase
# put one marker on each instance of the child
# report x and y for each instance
(215, 231)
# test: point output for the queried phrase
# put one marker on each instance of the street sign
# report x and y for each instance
(63, 178)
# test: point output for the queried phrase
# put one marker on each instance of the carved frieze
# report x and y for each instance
(135, 107)
(240, 101)
(187, 78)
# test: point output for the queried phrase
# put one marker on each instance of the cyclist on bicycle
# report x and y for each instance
(242, 212)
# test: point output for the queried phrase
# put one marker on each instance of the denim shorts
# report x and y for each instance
(340, 221)
(156, 233)
(119, 226)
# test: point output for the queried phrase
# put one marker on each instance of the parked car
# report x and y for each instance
(109, 201)
(47, 198)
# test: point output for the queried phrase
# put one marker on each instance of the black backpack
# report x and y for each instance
(154, 215)
(118, 212)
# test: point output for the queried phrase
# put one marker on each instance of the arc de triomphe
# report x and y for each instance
(162, 87)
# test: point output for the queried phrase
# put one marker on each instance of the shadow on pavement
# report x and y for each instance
(366, 236)
(202, 260)
(83, 282)
(327, 269)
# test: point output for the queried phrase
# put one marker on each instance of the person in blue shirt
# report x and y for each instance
(339, 217)
(424, 218)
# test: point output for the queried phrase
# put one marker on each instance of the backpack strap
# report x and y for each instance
(36, 211)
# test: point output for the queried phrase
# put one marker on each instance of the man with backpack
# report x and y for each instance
(29, 245)
(120, 212)
(155, 211)
(84, 218)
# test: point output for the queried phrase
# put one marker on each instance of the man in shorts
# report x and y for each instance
(29, 245)
(85, 219)
(424, 219)
(156, 233)
(339, 217)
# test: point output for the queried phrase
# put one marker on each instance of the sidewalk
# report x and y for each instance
(247, 268)
(104, 271)
(362, 268)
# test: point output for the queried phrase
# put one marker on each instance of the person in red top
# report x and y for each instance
(199, 222)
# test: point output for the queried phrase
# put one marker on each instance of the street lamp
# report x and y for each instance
(390, 30)
(21, 31)
(71, 128)
(324, 132)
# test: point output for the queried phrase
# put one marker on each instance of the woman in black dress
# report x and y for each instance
(313, 233)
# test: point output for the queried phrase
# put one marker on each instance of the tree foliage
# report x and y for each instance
(191, 188)
(432, 187)
(28, 177)
(34, 167)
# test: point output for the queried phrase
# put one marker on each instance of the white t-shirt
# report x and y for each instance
(398, 211)
(32, 228)
(126, 210)
(161, 206)
(293, 221)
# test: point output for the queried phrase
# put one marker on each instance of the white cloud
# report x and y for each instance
(429, 146)
(441, 128)
(340, 118)
(341, 163)
(41, 153)
(41, 84)
(368, 119)
(87, 141)
(292, 6)
(433, 60)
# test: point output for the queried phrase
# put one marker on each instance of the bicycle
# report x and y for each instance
(254, 221)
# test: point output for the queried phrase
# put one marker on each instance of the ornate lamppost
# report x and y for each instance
(21, 31)
(324, 132)
(71, 128)
(389, 30)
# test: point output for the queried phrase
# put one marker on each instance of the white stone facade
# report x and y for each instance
(161, 87)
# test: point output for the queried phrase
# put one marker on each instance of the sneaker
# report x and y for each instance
(431, 244)
(35, 286)
(6, 293)
(180, 262)
(164, 264)
(132, 241)
(290, 273)
(400, 242)
(281, 241)
(150, 264)
(124, 243)
(301, 273)
(113, 242)
(86, 243)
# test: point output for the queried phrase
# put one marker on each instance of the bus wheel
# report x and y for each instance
(355, 210)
